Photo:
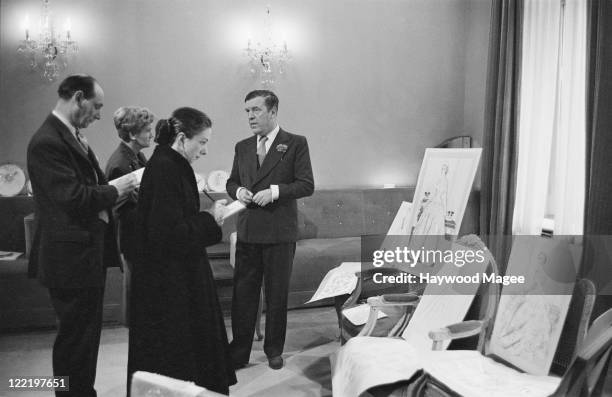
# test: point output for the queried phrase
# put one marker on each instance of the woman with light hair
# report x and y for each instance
(133, 125)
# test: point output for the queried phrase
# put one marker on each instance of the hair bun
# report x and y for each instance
(165, 132)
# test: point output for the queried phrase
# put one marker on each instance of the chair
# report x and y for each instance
(397, 301)
(399, 354)
(436, 380)
(146, 384)
(464, 141)
(587, 373)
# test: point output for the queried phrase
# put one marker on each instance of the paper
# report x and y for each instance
(364, 362)
(442, 191)
(358, 315)
(9, 256)
(233, 208)
(401, 222)
(134, 174)
(530, 316)
(338, 281)
(469, 373)
(149, 384)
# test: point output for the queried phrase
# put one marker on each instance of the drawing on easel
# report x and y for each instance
(442, 191)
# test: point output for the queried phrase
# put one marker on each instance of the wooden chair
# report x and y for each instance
(463, 141)
(437, 305)
(146, 384)
(398, 301)
(587, 373)
(572, 337)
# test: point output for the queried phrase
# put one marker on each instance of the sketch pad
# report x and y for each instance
(233, 208)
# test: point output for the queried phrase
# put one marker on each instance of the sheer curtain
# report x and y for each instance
(551, 117)
(569, 171)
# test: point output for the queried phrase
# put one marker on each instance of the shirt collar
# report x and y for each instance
(271, 135)
(63, 119)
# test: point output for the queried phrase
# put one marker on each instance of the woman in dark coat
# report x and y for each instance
(177, 327)
(133, 126)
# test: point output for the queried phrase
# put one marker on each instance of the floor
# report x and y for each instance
(311, 337)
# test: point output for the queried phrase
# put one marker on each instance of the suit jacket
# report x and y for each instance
(72, 246)
(122, 162)
(287, 165)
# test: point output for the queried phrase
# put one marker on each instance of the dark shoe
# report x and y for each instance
(275, 362)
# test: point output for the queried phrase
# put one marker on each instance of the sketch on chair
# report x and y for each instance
(531, 316)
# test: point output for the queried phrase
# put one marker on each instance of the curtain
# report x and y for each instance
(596, 263)
(540, 58)
(500, 127)
(550, 173)
(568, 175)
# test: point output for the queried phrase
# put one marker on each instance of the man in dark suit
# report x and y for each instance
(271, 170)
(74, 240)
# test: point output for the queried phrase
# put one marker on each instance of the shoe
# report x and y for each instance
(275, 362)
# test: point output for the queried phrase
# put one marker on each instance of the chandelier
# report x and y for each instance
(266, 58)
(48, 54)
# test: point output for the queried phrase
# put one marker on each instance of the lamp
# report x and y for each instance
(266, 57)
(49, 53)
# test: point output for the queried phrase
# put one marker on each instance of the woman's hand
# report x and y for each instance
(217, 210)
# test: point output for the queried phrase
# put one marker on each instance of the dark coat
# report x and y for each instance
(177, 327)
(72, 246)
(122, 162)
(287, 165)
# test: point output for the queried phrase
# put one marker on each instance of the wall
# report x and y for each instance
(371, 83)
(476, 51)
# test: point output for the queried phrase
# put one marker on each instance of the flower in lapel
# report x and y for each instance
(281, 147)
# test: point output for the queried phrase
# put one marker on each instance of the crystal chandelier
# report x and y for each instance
(48, 54)
(266, 58)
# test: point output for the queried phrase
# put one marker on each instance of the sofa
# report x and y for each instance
(331, 223)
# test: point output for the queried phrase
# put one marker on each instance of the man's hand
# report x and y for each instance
(263, 198)
(217, 210)
(245, 196)
(125, 185)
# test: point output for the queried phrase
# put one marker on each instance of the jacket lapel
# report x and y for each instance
(250, 157)
(273, 156)
(89, 158)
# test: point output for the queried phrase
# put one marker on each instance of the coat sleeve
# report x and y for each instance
(233, 182)
(50, 167)
(169, 228)
(303, 183)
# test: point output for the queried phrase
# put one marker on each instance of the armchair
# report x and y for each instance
(357, 365)
(587, 373)
(435, 381)
(398, 302)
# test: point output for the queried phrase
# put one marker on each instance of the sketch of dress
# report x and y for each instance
(432, 210)
(527, 325)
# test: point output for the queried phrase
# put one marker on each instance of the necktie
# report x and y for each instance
(103, 215)
(82, 140)
(261, 150)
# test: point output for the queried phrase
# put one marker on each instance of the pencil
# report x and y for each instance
(208, 195)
